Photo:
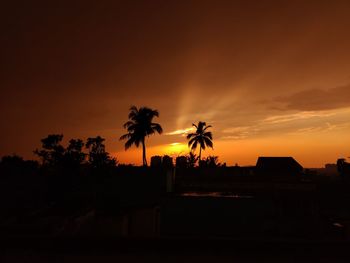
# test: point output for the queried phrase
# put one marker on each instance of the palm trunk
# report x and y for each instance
(200, 154)
(144, 160)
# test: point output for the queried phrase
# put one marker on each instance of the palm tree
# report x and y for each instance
(201, 136)
(139, 126)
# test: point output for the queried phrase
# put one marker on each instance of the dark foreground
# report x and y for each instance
(171, 250)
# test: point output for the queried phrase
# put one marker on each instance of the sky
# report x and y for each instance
(271, 77)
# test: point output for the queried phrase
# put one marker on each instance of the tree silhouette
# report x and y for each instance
(52, 151)
(201, 136)
(139, 126)
(191, 159)
(75, 150)
(15, 165)
(211, 162)
(98, 157)
(74, 155)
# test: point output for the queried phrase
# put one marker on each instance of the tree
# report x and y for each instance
(186, 161)
(191, 159)
(52, 151)
(98, 157)
(74, 155)
(75, 150)
(201, 136)
(211, 162)
(14, 164)
(139, 126)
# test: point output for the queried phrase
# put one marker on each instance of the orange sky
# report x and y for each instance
(271, 77)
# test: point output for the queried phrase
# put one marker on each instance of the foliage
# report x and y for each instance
(192, 159)
(211, 162)
(186, 161)
(75, 150)
(52, 151)
(56, 157)
(14, 164)
(98, 157)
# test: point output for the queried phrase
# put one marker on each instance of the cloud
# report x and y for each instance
(317, 99)
(181, 132)
(325, 127)
(295, 117)
(294, 123)
(331, 127)
(239, 133)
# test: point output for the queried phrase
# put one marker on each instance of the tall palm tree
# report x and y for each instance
(139, 126)
(201, 136)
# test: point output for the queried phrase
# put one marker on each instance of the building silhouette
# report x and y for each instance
(278, 166)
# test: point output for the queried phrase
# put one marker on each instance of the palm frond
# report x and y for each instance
(125, 136)
(132, 129)
(208, 142)
(209, 126)
(156, 127)
(194, 145)
(155, 113)
(133, 108)
(190, 135)
(190, 142)
(129, 143)
(208, 135)
(128, 124)
(133, 112)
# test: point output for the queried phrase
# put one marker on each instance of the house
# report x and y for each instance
(278, 166)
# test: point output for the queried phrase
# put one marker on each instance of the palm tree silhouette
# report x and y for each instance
(139, 126)
(201, 136)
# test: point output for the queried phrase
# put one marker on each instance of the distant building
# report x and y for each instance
(343, 167)
(331, 169)
(159, 161)
(156, 161)
(167, 162)
(278, 166)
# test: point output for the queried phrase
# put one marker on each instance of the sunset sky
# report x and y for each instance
(271, 77)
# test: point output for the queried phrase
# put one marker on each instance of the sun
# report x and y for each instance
(176, 148)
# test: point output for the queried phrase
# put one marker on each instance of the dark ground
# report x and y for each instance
(174, 250)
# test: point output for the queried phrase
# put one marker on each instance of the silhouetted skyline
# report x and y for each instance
(271, 77)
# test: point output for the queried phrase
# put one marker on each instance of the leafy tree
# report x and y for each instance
(75, 150)
(210, 161)
(192, 159)
(98, 157)
(74, 155)
(12, 160)
(14, 164)
(201, 136)
(139, 126)
(52, 151)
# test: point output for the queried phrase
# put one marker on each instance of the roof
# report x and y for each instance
(278, 166)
